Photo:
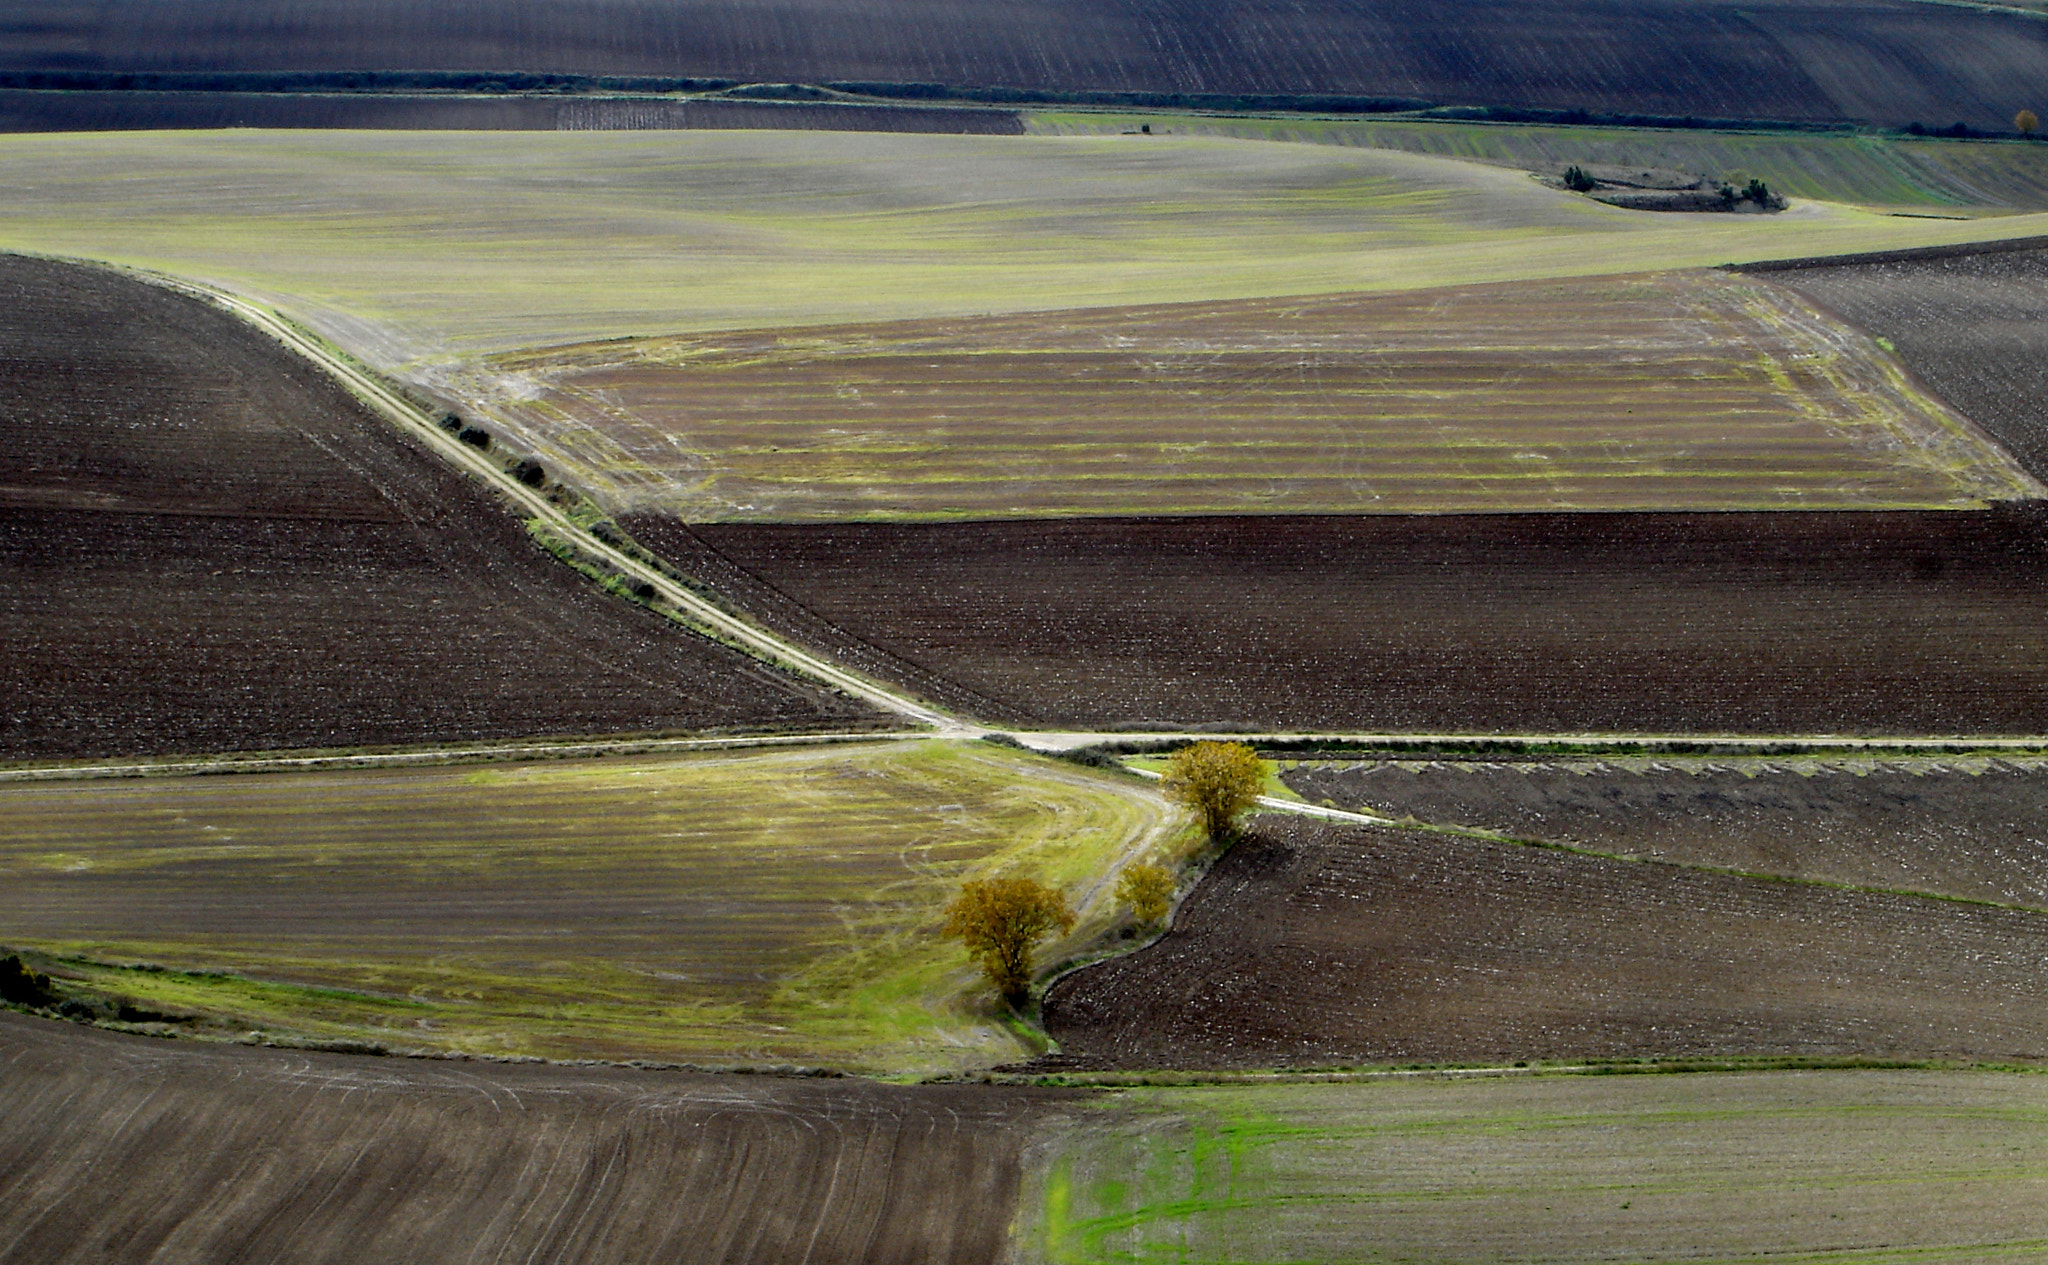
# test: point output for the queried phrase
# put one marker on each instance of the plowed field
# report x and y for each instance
(1749, 623)
(1315, 945)
(1800, 59)
(1672, 391)
(1961, 827)
(119, 1149)
(44, 111)
(1971, 325)
(205, 544)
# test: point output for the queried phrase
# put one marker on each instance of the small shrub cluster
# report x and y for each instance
(1576, 179)
(531, 473)
(476, 437)
(1757, 192)
(20, 986)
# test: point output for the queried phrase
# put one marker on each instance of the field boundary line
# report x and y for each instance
(430, 756)
(409, 418)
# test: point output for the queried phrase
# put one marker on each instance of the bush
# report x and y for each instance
(531, 473)
(22, 986)
(1576, 179)
(643, 590)
(475, 437)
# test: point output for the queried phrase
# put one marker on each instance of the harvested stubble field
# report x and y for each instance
(1866, 169)
(1920, 623)
(760, 907)
(117, 1149)
(415, 250)
(1866, 1166)
(1971, 325)
(1313, 945)
(206, 544)
(1667, 391)
(1969, 827)
(1795, 59)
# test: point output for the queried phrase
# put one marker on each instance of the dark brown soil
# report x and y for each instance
(1976, 829)
(1755, 623)
(47, 111)
(118, 1148)
(1881, 60)
(1972, 324)
(1316, 945)
(206, 544)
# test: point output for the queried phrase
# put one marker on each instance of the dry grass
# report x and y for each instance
(767, 907)
(1679, 390)
(417, 247)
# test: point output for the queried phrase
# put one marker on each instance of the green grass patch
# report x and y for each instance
(1869, 1165)
(758, 907)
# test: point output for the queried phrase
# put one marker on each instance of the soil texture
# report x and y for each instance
(1881, 60)
(1971, 323)
(1318, 945)
(206, 544)
(117, 1148)
(136, 111)
(1925, 623)
(1977, 829)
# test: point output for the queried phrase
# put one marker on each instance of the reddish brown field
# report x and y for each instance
(1315, 945)
(205, 544)
(1752, 623)
(1969, 827)
(1687, 390)
(46, 111)
(1799, 59)
(117, 1148)
(1972, 324)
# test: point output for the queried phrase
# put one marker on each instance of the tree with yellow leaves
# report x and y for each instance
(1219, 780)
(1001, 921)
(1147, 889)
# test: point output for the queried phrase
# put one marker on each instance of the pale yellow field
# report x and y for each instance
(759, 907)
(414, 248)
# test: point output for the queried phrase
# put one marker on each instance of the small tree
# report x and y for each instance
(1576, 179)
(1001, 921)
(2025, 122)
(1219, 780)
(1147, 889)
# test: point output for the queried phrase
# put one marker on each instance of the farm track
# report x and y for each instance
(120, 1148)
(208, 545)
(421, 428)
